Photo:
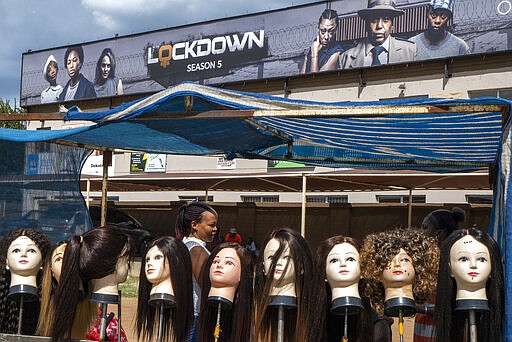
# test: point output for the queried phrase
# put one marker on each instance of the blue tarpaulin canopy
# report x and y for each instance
(425, 134)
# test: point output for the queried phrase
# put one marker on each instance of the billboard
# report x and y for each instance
(322, 36)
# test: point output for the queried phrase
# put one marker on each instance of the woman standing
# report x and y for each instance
(105, 81)
(196, 224)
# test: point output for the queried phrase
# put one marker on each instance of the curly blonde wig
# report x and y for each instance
(380, 248)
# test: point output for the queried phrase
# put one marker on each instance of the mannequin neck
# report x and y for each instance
(17, 279)
(287, 289)
(471, 293)
(347, 291)
(224, 292)
(105, 285)
(163, 287)
(395, 292)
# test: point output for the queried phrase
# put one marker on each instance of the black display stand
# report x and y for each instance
(282, 302)
(400, 307)
(104, 300)
(346, 306)
(22, 294)
(161, 301)
(222, 304)
(472, 306)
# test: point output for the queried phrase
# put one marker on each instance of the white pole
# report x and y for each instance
(303, 211)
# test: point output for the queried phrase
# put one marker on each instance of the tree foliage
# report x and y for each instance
(5, 108)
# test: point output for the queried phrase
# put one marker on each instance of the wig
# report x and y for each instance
(86, 310)
(188, 213)
(177, 319)
(236, 324)
(449, 323)
(297, 322)
(9, 310)
(326, 326)
(93, 255)
(378, 251)
(98, 78)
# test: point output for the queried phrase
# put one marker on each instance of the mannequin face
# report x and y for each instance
(122, 267)
(57, 258)
(157, 266)
(399, 272)
(285, 262)
(342, 266)
(225, 269)
(470, 262)
(24, 257)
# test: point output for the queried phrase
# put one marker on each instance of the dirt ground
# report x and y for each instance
(128, 316)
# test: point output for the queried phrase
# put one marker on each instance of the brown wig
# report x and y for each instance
(92, 255)
(188, 213)
(378, 251)
(177, 319)
(236, 324)
(9, 310)
(86, 310)
(450, 325)
(329, 327)
(297, 322)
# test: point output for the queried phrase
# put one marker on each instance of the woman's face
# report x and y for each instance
(73, 64)
(470, 262)
(51, 71)
(106, 66)
(157, 266)
(24, 257)
(206, 228)
(285, 267)
(57, 258)
(225, 269)
(399, 272)
(342, 266)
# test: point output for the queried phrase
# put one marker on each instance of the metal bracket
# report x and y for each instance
(447, 74)
(287, 90)
(362, 82)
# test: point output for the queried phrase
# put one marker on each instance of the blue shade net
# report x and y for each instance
(40, 188)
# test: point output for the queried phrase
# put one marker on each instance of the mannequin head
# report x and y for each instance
(459, 253)
(441, 223)
(170, 260)
(230, 269)
(56, 261)
(24, 259)
(337, 274)
(287, 253)
(470, 263)
(279, 266)
(391, 258)
(225, 274)
(158, 272)
(100, 257)
(8, 316)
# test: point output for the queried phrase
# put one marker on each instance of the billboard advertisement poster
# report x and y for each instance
(322, 36)
(147, 162)
(226, 164)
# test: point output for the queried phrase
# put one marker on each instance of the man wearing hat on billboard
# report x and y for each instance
(379, 47)
(437, 41)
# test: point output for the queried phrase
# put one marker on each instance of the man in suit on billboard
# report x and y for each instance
(437, 41)
(379, 47)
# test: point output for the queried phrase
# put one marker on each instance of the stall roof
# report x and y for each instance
(422, 134)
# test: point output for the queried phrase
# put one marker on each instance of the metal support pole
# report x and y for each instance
(88, 195)
(409, 210)
(107, 158)
(303, 211)
(472, 327)
(280, 324)
(103, 321)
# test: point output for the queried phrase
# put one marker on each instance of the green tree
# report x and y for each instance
(5, 108)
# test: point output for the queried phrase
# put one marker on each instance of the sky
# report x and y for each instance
(35, 24)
